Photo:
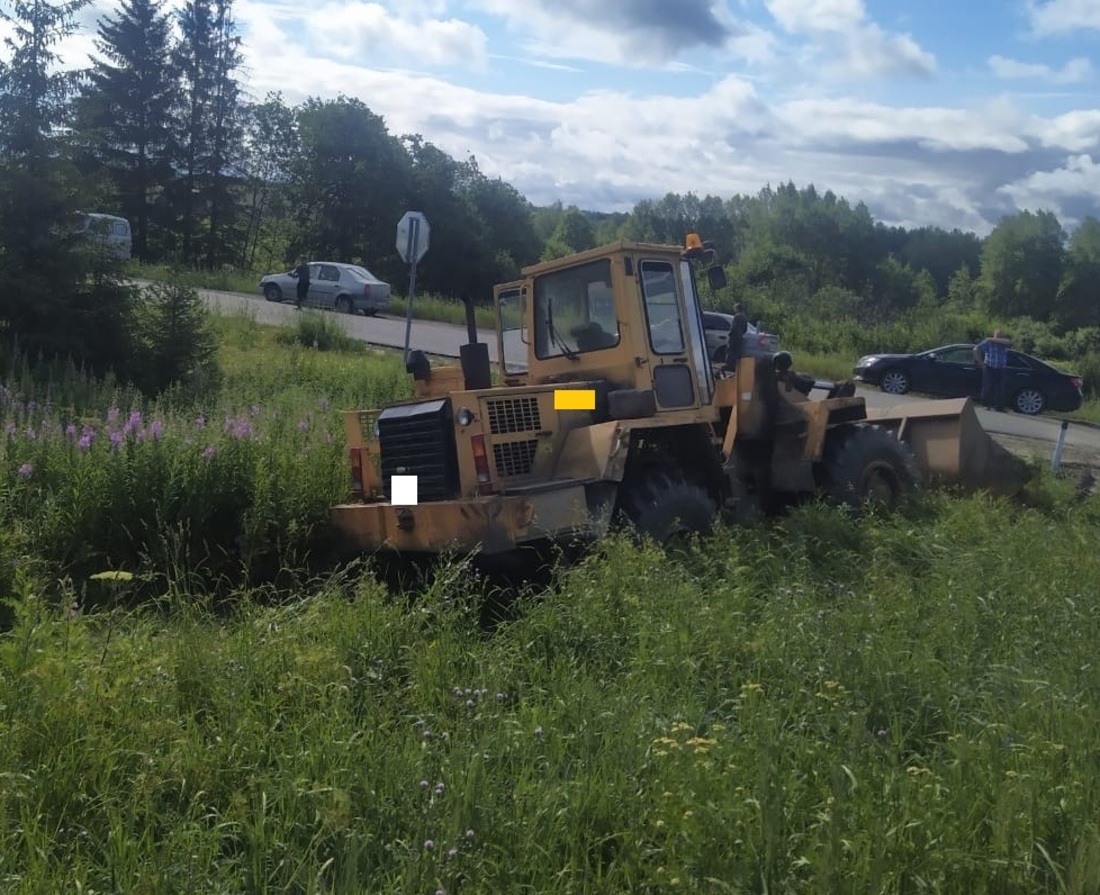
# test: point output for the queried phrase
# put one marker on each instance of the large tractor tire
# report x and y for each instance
(865, 464)
(664, 506)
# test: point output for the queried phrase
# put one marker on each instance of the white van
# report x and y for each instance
(107, 230)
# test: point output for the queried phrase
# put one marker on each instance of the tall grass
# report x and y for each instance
(826, 704)
(96, 477)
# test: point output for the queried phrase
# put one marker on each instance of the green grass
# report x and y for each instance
(893, 704)
(824, 703)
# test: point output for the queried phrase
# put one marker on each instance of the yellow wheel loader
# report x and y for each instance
(608, 411)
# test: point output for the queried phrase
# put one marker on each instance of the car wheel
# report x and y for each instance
(344, 305)
(1029, 401)
(370, 312)
(895, 382)
(273, 292)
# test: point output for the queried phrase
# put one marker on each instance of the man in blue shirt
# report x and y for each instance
(992, 356)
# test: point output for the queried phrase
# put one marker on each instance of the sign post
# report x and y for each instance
(413, 231)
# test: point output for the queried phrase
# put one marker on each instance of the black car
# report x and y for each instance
(1031, 386)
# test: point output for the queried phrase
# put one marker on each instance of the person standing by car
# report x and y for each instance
(301, 272)
(992, 356)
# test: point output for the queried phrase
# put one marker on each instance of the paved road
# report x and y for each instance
(385, 330)
(444, 339)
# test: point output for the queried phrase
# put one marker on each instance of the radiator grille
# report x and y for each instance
(507, 415)
(515, 458)
(419, 440)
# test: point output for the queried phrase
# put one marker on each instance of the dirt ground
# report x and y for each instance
(1081, 464)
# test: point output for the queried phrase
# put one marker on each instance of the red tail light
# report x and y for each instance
(366, 290)
(1077, 382)
(355, 455)
(481, 459)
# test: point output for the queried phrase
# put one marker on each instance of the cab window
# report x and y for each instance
(666, 330)
(512, 309)
(575, 311)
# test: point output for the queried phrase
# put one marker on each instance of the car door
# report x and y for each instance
(1019, 373)
(717, 331)
(957, 373)
(323, 290)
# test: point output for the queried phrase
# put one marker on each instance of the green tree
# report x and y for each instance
(271, 145)
(351, 182)
(209, 130)
(574, 233)
(175, 341)
(125, 111)
(1079, 294)
(1022, 263)
(56, 299)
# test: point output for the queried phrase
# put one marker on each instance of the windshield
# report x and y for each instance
(512, 308)
(362, 273)
(575, 311)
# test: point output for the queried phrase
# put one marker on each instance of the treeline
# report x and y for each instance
(160, 129)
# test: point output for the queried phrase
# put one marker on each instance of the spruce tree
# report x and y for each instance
(209, 121)
(126, 110)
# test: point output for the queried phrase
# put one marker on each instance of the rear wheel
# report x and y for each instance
(895, 382)
(662, 505)
(1030, 401)
(344, 304)
(273, 292)
(867, 465)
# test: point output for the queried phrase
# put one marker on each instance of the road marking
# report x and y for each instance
(575, 399)
(403, 490)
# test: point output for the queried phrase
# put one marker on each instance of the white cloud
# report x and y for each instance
(370, 32)
(865, 50)
(1074, 71)
(1059, 16)
(817, 15)
(1065, 189)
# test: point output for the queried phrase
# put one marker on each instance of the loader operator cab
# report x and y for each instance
(627, 314)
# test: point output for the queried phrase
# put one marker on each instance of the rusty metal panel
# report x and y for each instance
(490, 524)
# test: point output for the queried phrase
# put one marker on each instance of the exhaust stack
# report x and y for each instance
(474, 356)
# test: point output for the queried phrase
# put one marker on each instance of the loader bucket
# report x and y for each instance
(951, 447)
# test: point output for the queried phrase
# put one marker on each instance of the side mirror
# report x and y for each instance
(716, 277)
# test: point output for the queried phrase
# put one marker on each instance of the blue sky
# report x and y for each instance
(946, 112)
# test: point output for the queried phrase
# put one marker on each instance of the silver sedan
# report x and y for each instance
(332, 285)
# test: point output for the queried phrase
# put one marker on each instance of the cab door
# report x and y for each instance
(672, 341)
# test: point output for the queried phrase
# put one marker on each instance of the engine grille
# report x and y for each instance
(419, 440)
(507, 415)
(515, 458)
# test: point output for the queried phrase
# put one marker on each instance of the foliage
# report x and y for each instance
(124, 115)
(176, 344)
(228, 483)
(882, 705)
(1022, 264)
(320, 331)
(350, 181)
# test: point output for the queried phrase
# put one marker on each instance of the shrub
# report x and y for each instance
(315, 329)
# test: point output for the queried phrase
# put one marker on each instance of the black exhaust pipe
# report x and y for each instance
(474, 356)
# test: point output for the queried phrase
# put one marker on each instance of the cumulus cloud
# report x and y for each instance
(625, 32)
(865, 49)
(1074, 71)
(372, 33)
(1071, 190)
(1060, 16)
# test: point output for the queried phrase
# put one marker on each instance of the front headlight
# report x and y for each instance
(464, 417)
(867, 361)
